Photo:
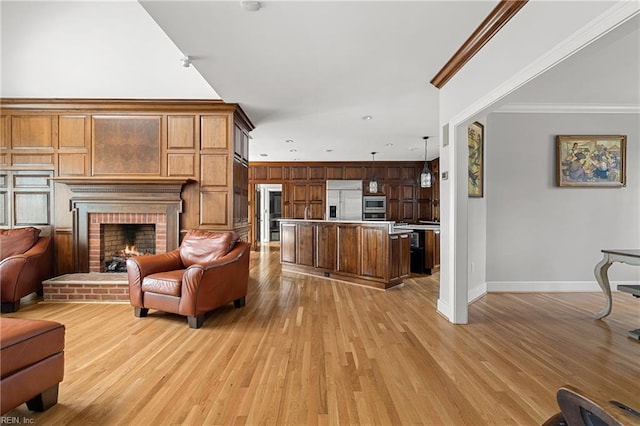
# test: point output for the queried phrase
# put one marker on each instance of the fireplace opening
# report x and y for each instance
(121, 241)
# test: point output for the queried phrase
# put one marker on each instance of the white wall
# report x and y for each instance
(108, 49)
(543, 237)
(551, 31)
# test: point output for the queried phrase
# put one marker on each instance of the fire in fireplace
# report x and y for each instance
(122, 241)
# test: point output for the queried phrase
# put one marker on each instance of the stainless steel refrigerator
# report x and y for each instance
(344, 200)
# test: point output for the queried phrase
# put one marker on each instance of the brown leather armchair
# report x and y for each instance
(207, 271)
(26, 262)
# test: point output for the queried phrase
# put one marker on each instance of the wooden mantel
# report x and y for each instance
(123, 184)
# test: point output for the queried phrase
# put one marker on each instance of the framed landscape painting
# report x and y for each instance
(591, 160)
(476, 159)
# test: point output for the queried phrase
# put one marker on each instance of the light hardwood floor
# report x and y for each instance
(308, 351)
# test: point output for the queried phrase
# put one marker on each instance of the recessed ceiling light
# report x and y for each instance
(293, 150)
(367, 117)
(263, 155)
(289, 141)
(389, 144)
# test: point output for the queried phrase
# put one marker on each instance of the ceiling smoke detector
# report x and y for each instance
(250, 6)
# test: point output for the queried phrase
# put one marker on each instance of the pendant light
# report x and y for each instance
(425, 176)
(373, 184)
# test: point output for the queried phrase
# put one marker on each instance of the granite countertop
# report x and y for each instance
(381, 222)
(419, 227)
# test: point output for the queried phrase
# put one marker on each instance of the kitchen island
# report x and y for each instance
(371, 253)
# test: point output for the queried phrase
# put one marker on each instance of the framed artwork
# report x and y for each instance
(591, 160)
(476, 159)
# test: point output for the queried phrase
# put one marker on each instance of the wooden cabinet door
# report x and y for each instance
(394, 246)
(405, 255)
(288, 243)
(326, 247)
(306, 244)
(432, 250)
(374, 254)
(348, 248)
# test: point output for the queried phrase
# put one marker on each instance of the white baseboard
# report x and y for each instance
(548, 286)
(444, 309)
(476, 293)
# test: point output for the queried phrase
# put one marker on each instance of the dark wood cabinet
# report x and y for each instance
(432, 251)
(373, 246)
(400, 249)
(348, 248)
(326, 247)
(304, 184)
(305, 244)
(288, 242)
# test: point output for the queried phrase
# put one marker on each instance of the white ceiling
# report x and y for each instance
(309, 71)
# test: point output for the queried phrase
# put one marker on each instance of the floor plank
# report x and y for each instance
(310, 351)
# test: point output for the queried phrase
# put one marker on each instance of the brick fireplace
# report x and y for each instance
(100, 201)
(97, 221)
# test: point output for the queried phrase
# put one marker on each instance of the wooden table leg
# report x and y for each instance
(600, 272)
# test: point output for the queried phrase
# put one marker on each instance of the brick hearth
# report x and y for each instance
(91, 287)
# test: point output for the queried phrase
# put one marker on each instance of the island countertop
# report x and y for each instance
(390, 225)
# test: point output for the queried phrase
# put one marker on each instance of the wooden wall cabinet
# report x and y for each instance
(304, 187)
(363, 253)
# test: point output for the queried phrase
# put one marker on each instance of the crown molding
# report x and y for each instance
(499, 16)
(548, 108)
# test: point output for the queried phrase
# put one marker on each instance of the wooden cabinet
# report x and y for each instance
(400, 249)
(305, 185)
(304, 196)
(326, 247)
(306, 242)
(348, 248)
(373, 246)
(288, 242)
(359, 252)
(432, 251)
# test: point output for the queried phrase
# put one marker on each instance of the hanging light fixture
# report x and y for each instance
(425, 176)
(373, 184)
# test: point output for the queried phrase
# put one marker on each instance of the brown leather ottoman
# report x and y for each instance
(31, 363)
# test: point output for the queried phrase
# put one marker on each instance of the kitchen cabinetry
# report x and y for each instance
(359, 252)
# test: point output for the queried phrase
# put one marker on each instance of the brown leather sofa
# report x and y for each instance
(207, 271)
(25, 261)
(31, 363)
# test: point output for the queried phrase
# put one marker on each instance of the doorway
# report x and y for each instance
(270, 201)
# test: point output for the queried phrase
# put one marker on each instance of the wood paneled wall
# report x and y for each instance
(205, 141)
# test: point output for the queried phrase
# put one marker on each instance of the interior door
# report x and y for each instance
(257, 217)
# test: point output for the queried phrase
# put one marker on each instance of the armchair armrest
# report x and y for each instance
(22, 274)
(140, 266)
(205, 287)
